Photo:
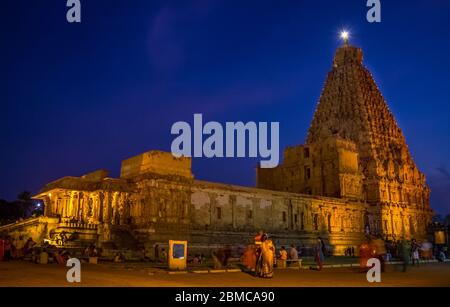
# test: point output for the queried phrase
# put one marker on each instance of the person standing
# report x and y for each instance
(28, 246)
(319, 253)
(259, 238)
(404, 252)
(249, 257)
(380, 251)
(364, 255)
(265, 262)
(293, 254)
(441, 256)
(415, 252)
(283, 257)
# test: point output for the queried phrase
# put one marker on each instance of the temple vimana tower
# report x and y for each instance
(356, 151)
(354, 176)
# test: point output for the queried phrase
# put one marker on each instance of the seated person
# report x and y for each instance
(119, 257)
(283, 257)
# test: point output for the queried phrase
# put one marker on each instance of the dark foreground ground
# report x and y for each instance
(18, 273)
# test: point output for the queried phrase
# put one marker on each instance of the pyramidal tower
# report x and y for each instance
(356, 150)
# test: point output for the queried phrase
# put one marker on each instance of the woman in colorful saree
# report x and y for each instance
(264, 264)
(249, 258)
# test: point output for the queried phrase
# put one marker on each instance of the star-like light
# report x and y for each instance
(345, 35)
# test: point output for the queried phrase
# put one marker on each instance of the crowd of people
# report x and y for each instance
(260, 257)
(15, 249)
(406, 251)
(287, 255)
(26, 248)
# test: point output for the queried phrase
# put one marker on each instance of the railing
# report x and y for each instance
(79, 225)
(26, 222)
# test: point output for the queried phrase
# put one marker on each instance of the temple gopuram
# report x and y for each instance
(354, 176)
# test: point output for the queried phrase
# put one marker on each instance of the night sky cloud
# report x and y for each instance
(445, 174)
(439, 182)
(166, 40)
(165, 46)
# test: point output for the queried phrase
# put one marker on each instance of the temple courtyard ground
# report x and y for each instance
(21, 273)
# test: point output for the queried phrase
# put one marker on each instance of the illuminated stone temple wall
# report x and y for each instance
(155, 206)
(354, 176)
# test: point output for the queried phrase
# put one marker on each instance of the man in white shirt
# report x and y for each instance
(293, 254)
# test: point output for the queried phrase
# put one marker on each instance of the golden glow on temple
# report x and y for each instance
(353, 176)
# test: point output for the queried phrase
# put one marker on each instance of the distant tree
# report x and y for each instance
(447, 220)
(7, 212)
(4, 211)
(438, 219)
(24, 204)
(24, 196)
(22, 208)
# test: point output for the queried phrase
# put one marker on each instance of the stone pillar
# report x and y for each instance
(96, 206)
(106, 205)
(65, 204)
(87, 202)
(121, 208)
(75, 204)
(69, 204)
(114, 207)
(82, 209)
(100, 206)
(48, 208)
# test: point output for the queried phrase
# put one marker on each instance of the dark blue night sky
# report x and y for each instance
(79, 97)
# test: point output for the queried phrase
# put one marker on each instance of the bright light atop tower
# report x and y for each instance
(344, 36)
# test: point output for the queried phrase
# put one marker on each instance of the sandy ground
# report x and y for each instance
(19, 273)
